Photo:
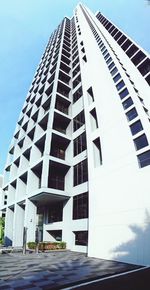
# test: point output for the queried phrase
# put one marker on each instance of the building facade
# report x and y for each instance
(79, 163)
(3, 198)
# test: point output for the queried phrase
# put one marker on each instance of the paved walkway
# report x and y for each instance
(54, 270)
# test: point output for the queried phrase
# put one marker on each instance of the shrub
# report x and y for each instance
(43, 246)
(31, 245)
(2, 225)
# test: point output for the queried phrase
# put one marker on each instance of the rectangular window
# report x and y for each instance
(80, 206)
(79, 144)
(77, 95)
(111, 65)
(78, 121)
(106, 56)
(55, 213)
(80, 172)
(103, 48)
(124, 93)
(105, 52)
(117, 77)
(76, 70)
(126, 44)
(120, 85)
(122, 39)
(144, 68)
(113, 72)
(126, 104)
(76, 81)
(138, 57)
(132, 50)
(144, 159)
(81, 238)
(132, 114)
(136, 127)
(109, 60)
(140, 142)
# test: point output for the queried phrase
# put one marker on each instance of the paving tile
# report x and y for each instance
(35, 288)
(27, 271)
(45, 283)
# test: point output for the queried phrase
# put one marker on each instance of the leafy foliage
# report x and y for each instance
(2, 225)
(44, 246)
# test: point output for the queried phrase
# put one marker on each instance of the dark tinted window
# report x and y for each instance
(111, 65)
(113, 72)
(136, 127)
(80, 206)
(126, 44)
(126, 104)
(81, 238)
(109, 60)
(144, 68)
(124, 93)
(77, 95)
(138, 57)
(131, 50)
(106, 56)
(78, 121)
(132, 114)
(80, 172)
(117, 77)
(144, 159)
(140, 142)
(79, 144)
(120, 85)
(122, 39)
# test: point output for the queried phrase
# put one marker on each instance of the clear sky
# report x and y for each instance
(25, 27)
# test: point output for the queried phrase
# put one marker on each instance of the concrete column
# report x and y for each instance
(67, 235)
(9, 227)
(30, 220)
(18, 226)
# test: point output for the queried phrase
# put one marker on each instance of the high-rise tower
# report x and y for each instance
(79, 162)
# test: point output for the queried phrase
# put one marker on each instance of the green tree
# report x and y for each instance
(2, 224)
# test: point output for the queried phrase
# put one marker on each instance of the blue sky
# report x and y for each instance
(25, 27)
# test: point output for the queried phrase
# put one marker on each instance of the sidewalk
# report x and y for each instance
(54, 270)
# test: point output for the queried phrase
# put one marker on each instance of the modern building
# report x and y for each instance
(3, 198)
(78, 166)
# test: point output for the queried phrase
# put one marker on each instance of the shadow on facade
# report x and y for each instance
(7, 242)
(136, 250)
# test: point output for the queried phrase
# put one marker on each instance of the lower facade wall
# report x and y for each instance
(119, 220)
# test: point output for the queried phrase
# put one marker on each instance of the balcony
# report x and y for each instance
(58, 146)
(60, 123)
(62, 104)
(64, 77)
(66, 53)
(63, 89)
(66, 47)
(57, 172)
(64, 67)
(77, 81)
(65, 59)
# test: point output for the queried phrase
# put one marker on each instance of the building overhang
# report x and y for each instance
(46, 198)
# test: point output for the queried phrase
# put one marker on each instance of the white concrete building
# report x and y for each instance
(79, 163)
(2, 197)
